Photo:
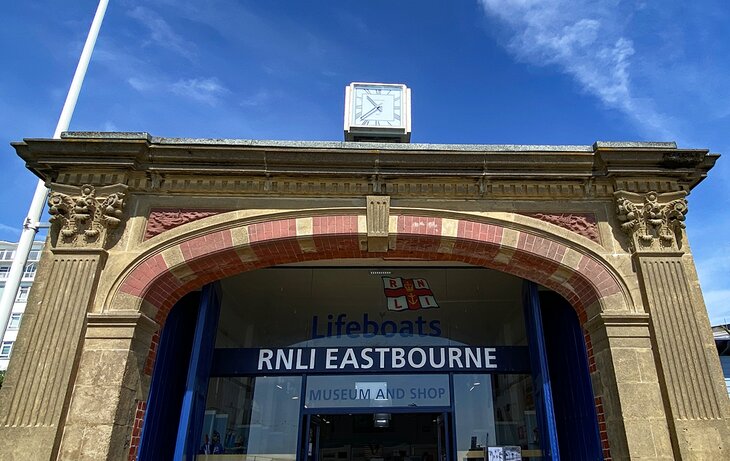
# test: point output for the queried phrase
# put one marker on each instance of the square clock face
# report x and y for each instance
(377, 106)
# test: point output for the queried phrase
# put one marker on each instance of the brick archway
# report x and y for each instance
(165, 275)
(159, 280)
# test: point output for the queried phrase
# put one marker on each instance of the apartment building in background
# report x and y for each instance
(7, 253)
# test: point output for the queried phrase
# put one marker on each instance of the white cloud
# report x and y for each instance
(162, 34)
(110, 126)
(142, 85)
(586, 41)
(7, 232)
(260, 98)
(206, 90)
(284, 43)
(657, 63)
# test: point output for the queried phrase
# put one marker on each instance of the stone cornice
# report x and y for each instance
(146, 163)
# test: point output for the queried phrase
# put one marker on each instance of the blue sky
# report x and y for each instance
(481, 71)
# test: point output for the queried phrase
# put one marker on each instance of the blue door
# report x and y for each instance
(196, 386)
(575, 412)
(162, 417)
(540, 373)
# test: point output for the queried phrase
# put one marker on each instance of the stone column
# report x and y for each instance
(108, 388)
(626, 382)
(35, 397)
(36, 392)
(698, 408)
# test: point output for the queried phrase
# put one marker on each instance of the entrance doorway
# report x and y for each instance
(286, 381)
(376, 437)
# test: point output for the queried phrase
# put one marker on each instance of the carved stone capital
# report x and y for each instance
(653, 221)
(86, 215)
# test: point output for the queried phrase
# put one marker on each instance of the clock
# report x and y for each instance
(377, 112)
(377, 105)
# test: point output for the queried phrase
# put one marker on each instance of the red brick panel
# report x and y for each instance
(159, 294)
(150, 362)
(426, 244)
(272, 230)
(589, 352)
(223, 264)
(602, 431)
(206, 244)
(334, 225)
(137, 429)
(540, 246)
(479, 231)
(336, 247)
(143, 275)
(421, 225)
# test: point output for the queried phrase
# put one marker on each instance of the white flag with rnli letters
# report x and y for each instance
(408, 294)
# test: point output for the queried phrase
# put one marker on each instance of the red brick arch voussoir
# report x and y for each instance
(577, 275)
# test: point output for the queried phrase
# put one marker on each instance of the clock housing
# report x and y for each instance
(377, 112)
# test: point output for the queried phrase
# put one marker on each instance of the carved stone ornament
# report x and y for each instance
(653, 221)
(161, 220)
(583, 224)
(86, 215)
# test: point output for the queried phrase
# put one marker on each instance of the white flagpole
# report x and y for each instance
(32, 221)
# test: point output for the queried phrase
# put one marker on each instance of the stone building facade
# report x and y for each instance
(7, 253)
(140, 221)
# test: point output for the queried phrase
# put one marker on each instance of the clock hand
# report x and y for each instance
(368, 113)
(371, 101)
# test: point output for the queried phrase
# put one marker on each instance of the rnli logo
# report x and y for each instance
(408, 294)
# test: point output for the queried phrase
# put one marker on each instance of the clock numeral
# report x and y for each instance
(366, 122)
(388, 122)
(368, 91)
(397, 98)
(396, 116)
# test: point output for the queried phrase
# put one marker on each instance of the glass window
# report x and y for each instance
(14, 322)
(34, 255)
(324, 307)
(23, 294)
(29, 271)
(4, 271)
(258, 417)
(494, 411)
(5, 349)
(7, 255)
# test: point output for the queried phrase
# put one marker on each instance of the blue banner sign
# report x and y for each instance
(332, 360)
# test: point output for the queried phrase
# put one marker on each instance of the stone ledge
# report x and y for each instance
(118, 326)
